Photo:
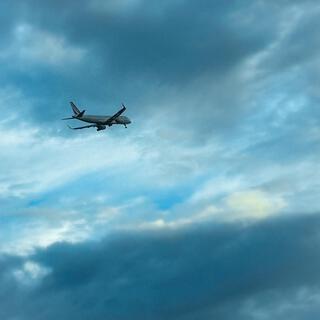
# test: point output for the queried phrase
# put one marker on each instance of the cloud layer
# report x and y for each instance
(260, 271)
(206, 206)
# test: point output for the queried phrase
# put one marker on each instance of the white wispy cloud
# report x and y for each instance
(30, 273)
(32, 45)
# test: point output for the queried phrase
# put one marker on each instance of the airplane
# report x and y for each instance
(99, 122)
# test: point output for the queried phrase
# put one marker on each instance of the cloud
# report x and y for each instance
(209, 74)
(46, 231)
(204, 200)
(30, 273)
(39, 47)
(221, 270)
(169, 54)
(34, 174)
(254, 204)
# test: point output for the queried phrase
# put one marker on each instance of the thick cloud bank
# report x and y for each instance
(267, 270)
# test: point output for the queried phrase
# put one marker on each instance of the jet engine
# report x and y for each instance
(101, 127)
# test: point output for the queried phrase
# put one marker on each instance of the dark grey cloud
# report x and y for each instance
(192, 273)
(182, 59)
(8, 302)
(149, 53)
(184, 56)
(186, 38)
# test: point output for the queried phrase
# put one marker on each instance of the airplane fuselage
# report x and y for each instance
(103, 120)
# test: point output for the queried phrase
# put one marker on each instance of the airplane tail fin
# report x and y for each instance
(76, 111)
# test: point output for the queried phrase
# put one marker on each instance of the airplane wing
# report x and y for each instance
(89, 126)
(116, 115)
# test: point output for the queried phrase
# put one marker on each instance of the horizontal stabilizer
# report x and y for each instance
(81, 114)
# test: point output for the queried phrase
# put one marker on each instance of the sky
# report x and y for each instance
(206, 206)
